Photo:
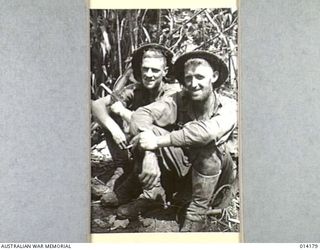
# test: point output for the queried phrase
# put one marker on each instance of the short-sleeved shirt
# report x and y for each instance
(136, 95)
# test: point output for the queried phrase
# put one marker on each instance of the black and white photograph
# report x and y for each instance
(164, 120)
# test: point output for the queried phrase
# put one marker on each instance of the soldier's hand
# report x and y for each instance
(150, 170)
(119, 138)
(117, 108)
(135, 141)
(148, 140)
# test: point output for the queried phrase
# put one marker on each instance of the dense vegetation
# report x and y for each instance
(115, 34)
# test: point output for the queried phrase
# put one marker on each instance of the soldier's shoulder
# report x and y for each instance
(171, 88)
(225, 97)
(227, 101)
(130, 88)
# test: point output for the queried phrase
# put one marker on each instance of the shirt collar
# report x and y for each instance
(216, 105)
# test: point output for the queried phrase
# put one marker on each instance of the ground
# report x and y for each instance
(103, 220)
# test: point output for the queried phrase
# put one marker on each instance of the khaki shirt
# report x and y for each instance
(135, 95)
(175, 114)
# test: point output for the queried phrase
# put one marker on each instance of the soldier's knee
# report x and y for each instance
(207, 164)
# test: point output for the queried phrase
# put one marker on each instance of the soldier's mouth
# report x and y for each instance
(194, 91)
(150, 82)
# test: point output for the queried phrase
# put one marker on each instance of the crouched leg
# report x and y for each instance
(210, 170)
(172, 164)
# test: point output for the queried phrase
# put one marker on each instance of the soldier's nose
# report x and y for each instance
(149, 73)
(194, 83)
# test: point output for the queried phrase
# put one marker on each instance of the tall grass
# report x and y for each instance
(115, 34)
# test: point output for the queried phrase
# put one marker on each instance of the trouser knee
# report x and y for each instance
(206, 160)
(208, 166)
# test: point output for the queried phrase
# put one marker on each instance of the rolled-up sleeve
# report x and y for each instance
(217, 129)
(161, 113)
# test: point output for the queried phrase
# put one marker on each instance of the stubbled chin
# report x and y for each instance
(149, 86)
(195, 93)
(196, 96)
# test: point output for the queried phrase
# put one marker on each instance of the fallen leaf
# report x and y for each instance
(111, 219)
(234, 220)
(120, 224)
(100, 223)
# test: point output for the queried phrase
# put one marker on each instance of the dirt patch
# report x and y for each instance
(222, 218)
(104, 220)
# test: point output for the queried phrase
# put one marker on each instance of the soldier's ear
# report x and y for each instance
(215, 76)
(166, 70)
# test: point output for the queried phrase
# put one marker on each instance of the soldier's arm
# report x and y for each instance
(193, 133)
(216, 129)
(160, 113)
(122, 111)
(125, 93)
(101, 112)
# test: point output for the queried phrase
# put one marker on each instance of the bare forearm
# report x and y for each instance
(101, 113)
(126, 114)
(109, 124)
(99, 109)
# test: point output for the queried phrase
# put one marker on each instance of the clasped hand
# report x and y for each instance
(117, 108)
(148, 140)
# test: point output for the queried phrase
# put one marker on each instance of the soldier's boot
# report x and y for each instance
(148, 200)
(203, 187)
(129, 189)
(98, 188)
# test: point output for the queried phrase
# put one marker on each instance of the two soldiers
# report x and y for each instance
(179, 143)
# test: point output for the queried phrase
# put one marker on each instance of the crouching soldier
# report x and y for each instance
(186, 131)
(151, 68)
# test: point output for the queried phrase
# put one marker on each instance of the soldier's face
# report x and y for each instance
(198, 81)
(153, 70)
